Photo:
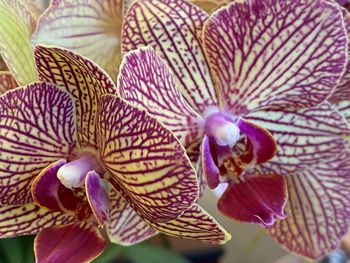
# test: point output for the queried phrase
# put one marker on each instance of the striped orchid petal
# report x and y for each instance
(276, 53)
(318, 209)
(85, 81)
(7, 81)
(174, 28)
(147, 82)
(210, 6)
(125, 227)
(304, 138)
(37, 127)
(343, 107)
(88, 27)
(50, 193)
(197, 224)
(97, 195)
(342, 90)
(3, 66)
(146, 162)
(17, 25)
(28, 219)
(73, 243)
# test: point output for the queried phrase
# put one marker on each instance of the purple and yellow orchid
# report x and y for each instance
(75, 158)
(244, 89)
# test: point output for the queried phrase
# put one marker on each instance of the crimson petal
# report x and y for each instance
(257, 199)
(69, 243)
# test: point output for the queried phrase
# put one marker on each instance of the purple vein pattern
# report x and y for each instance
(37, 127)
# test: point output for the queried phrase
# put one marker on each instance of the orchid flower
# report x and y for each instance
(66, 138)
(244, 91)
(88, 27)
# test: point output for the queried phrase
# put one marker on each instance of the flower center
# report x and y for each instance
(222, 128)
(72, 175)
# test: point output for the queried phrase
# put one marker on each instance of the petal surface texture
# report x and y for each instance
(70, 244)
(98, 196)
(342, 90)
(195, 223)
(17, 25)
(37, 127)
(304, 137)
(89, 27)
(83, 79)
(146, 81)
(29, 219)
(318, 210)
(125, 227)
(146, 162)
(7, 81)
(174, 28)
(258, 199)
(209, 167)
(273, 52)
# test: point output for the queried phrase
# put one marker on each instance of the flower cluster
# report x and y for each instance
(250, 98)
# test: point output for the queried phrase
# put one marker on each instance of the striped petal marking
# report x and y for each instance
(255, 199)
(125, 227)
(37, 128)
(146, 81)
(89, 27)
(343, 107)
(83, 79)
(29, 219)
(73, 243)
(146, 162)
(318, 209)
(7, 81)
(287, 54)
(174, 29)
(17, 25)
(195, 223)
(304, 137)
(97, 196)
(210, 6)
(50, 193)
(342, 91)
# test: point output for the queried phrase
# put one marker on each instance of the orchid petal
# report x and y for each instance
(146, 162)
(304, 138)
(210, 6)
(257, 199)
(263, 145)
(98, 196)
(125, 227)
(318, 209)
(342, 91)
(276, 53)
(195, 223)
(7, 81)
(174, 28)
(28, 219)
(88, 27)
(209, 167)
(69, 243)
(3, 66)
(50, 193)
(17, 25)
(37, 127)
(84, 80)
(146, 81)
(343, 107)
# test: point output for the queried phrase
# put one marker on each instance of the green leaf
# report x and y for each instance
(145, 253)
(109, 254)
(17, 249)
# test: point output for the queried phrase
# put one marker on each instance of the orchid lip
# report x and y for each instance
(72, 174)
